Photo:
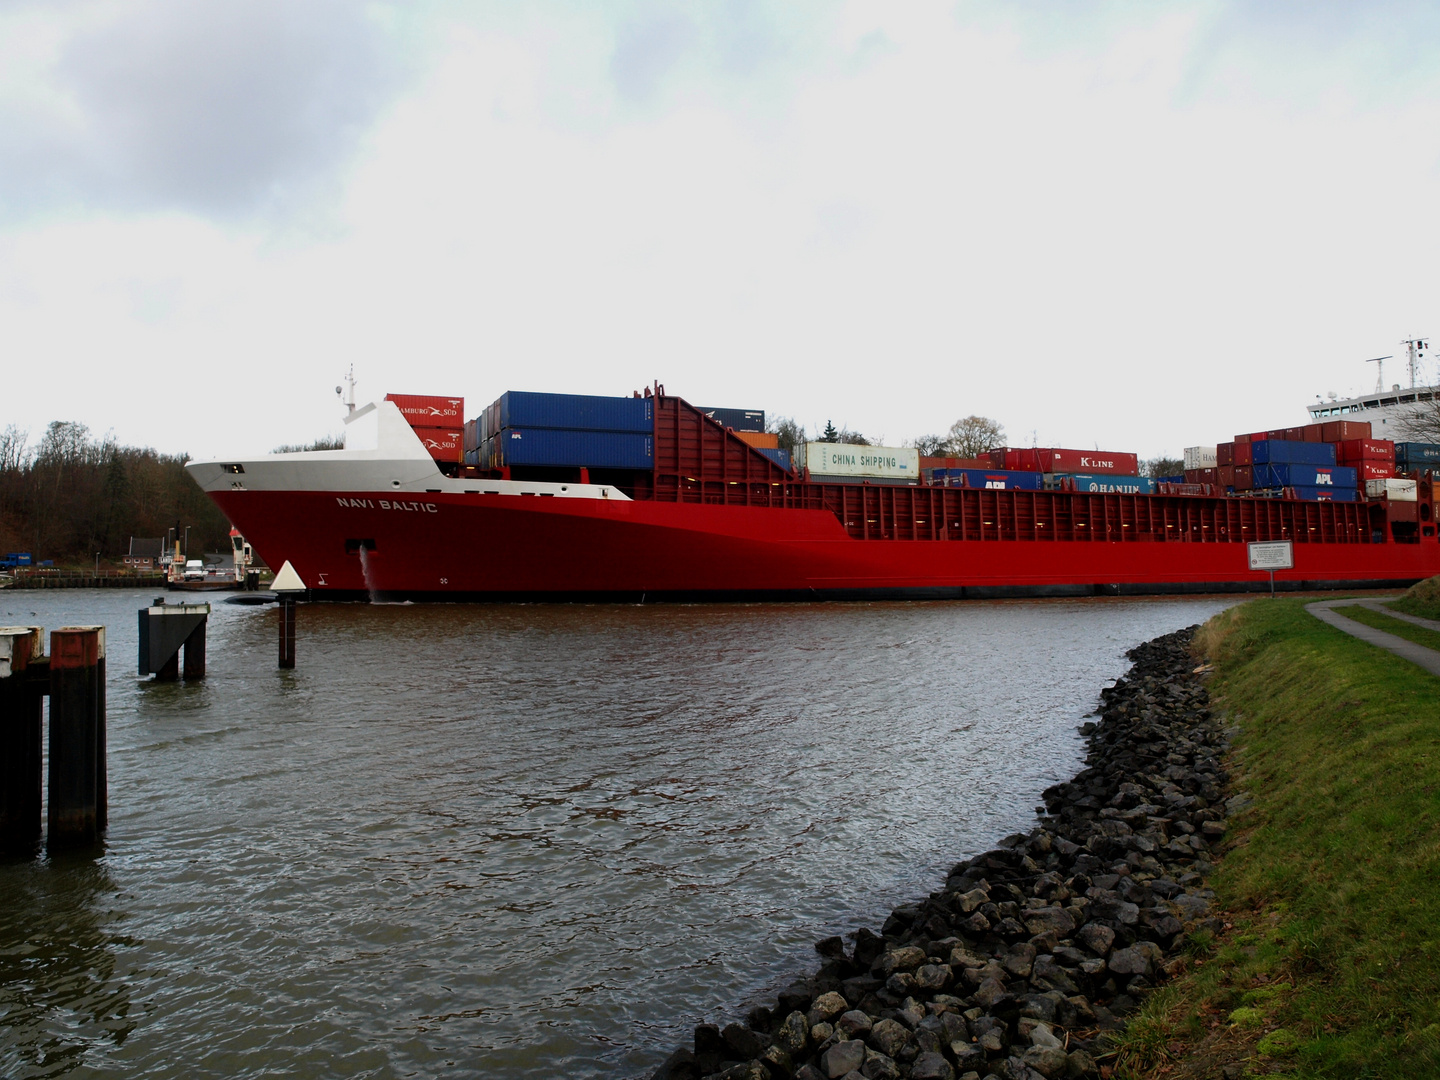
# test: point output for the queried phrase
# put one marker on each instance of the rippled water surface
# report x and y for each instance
(528, 840)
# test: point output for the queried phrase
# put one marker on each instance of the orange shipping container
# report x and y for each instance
(761, 440)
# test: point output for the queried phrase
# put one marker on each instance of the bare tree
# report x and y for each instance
(13, 455)
(1422, 424)
(1155, 468)
(974, 435)
(967, 438)
(790, 435)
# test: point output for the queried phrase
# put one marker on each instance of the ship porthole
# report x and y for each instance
(394, 483)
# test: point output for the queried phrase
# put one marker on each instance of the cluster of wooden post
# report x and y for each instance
(73, 678)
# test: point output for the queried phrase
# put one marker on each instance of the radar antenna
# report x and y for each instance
(1379, 361)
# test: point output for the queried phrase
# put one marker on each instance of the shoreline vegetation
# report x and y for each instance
(72, 497)
(1243, 882)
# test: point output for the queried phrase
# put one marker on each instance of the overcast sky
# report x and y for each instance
(1137, 226)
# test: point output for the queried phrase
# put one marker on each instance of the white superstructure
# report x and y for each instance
(1387, 410)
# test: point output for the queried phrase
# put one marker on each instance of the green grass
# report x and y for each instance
(1399, 627)
(1421, 599)
(1331, 966)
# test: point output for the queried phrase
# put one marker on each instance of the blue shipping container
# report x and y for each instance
(1113, 485)
(739, 419)
(1333, 477)
(997, 479)
(780, 457)
(593, 449)
(574, 412)
(1418, 453)
(1287, 452)
(1326, 494)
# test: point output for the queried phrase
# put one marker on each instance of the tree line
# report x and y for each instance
(71, 495)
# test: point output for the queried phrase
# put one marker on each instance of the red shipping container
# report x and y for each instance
(444, 444)
(1089, 461)
(1364, 450)
(1278, 434)
(1225, 476)
(1244, 454)
(1341, 430)
(1314, 432)
(1241, 439)
(1373, 470)
(1020, 460)
(1295, 434)
(1244, 477)
(1202, 476)
(1225, 454)
(434, 412)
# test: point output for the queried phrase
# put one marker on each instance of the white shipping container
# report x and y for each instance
(879, 462)
(1394, 490)
(1201, 457)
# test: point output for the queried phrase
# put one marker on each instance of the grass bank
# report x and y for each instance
(1422, 599)
(1330, 962)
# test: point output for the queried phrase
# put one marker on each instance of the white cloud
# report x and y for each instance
(1119, 229)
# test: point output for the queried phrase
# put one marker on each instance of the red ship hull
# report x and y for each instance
(482, 546)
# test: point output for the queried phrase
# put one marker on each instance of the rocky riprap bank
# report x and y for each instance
(1018, 967)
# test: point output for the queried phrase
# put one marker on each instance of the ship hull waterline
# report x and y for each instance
(449, 547)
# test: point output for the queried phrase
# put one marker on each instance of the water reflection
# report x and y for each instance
(60, 998)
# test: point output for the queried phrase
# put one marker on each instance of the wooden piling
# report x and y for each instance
(78, 792)
(287, 631)
(21, 740)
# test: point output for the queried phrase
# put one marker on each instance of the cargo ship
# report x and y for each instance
(647, 497)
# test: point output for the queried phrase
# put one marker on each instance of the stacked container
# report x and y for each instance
(438, 421)
(1054, 460)
(569, 430)
(738, 420)
(992, 479)
(1417, 457)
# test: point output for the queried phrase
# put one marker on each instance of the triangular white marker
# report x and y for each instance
(287, 580)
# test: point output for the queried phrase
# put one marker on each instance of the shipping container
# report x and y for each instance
(574, 412)
(1322, 494)
(875, 462)
(1225, 454)
(761, 440)
(1395, 490)
(443, 444)
(738, 419)
(1314, 432)
(1418, 454)
(472, 436)
(1353, 450)
(1295, 434)
(555, 446)
(1201, 457)
(1244, 477)
(1225, 476)
(1108, 483)
(992, 479)
(1244, 454)
(424, 410)
(1298, 474)
(1339, 430)
(1055, 460)
(1202, 476)
(955, 463)
(1288, 452)
(1372, 470)
(775, 454)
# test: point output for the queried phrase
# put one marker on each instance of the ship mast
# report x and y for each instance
(1415, 352)
(340, 390)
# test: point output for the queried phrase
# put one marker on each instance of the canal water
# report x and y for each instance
(522, 841)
